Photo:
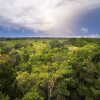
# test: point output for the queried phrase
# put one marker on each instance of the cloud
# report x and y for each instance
(84, 30)
(54, 17)
(95, 35)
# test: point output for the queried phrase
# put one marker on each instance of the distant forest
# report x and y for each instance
(49, 68)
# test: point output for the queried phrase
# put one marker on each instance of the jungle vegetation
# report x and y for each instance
(50, 69)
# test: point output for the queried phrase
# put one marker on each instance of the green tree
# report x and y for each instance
(3, 97)
(55, 44)
(32, 96)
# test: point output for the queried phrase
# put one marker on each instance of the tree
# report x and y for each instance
(55, 44)
(3, 97)
(17, 59)
(23, 82)
(7, 75)
(32, 96)
(5, 49)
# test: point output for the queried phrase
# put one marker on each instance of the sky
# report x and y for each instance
(49, 18)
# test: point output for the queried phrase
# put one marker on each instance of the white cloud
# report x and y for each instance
(84, 30)
(95, 35)
(52, 16)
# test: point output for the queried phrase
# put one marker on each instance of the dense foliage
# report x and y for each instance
(50, 69)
